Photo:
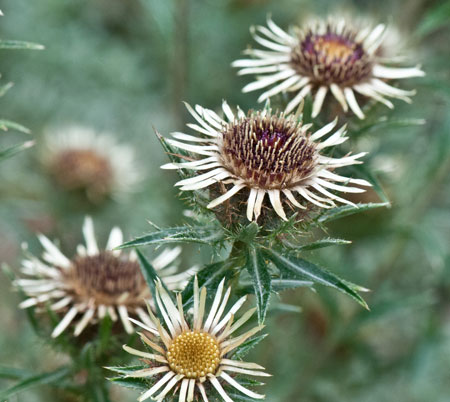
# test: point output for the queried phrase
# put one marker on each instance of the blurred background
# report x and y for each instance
(124, 67)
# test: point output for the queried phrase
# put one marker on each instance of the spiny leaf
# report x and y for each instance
(125, 370)
(258, 270)
(318, 244)
(6, 124)
(248, 345)
(17, 44)
(133, 383)
(187, 234)
(11, 151)
(36, 380)
(209, 277)
(297, 268)
(340, 212)
(279, 285)
(151, 277)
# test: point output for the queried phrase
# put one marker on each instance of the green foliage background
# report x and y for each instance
(125, 66)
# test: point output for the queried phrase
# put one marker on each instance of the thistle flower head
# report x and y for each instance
(266, 153)
(79, 159)
(195, 358)
(324, 56)
(94, 283)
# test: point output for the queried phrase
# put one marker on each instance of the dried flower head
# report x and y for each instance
(192, 359)
(326, 55)
(268, 153)
(79, 159)
(94, 283)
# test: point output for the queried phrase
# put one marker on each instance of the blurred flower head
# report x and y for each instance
(94, 283)
(267, 153)
(326, 55)
(80, 159)
(193, 359)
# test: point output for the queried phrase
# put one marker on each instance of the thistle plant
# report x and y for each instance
(261, 185)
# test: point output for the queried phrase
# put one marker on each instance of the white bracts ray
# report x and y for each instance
(245, 371)
(259, 63)
(115, 239)
(200, 120)
(219, 200)
(269, 45)
(332, 196)
(339, 95)
(324, 130)
(87, 317)
(318, 101)
(238, 363)
(149, 372)
(183, 390)
(337, 138)
(52, 254)
(190, 165)
(168, 387)
(251, 203)
(216, 384)
(145, 355)
(112, 313)
(65, 322)
(190, 397)
(229, 315)
(61, 303)
(268, 80)
(123, 313)
(351, 100)
(214, 306)
(201, 177)
(368, 91)
(196, 127)
(291, 198)
(389, 90)
(89, 236)
(156, 387)
(191, 138)
(309, 196)
(168, 256)
(333, 176)
(144, 326)
(241, 388)
(298, 99)
(396, 73)
(344, 189)
(201, 150)
(227, 111)
(207, 182)
(274, 196)
(202, 392)
(263, 70)
(279, 88)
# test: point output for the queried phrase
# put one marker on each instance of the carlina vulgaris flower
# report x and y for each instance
(94, 283)
(193, 358)
(326, 55)
(80, 159)
(267, 153)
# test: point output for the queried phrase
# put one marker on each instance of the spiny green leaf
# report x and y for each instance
(126, 370)
(6, 124)
(209, 277)
(187, 234)
(248, 345)
(11, 151)
(319, 244)
(151, 277)
(340, 212)
(258, 270)
(17, 44)
(297, 268)
(279, 285)
(385, 123)
(133, 383)
(36, 380)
